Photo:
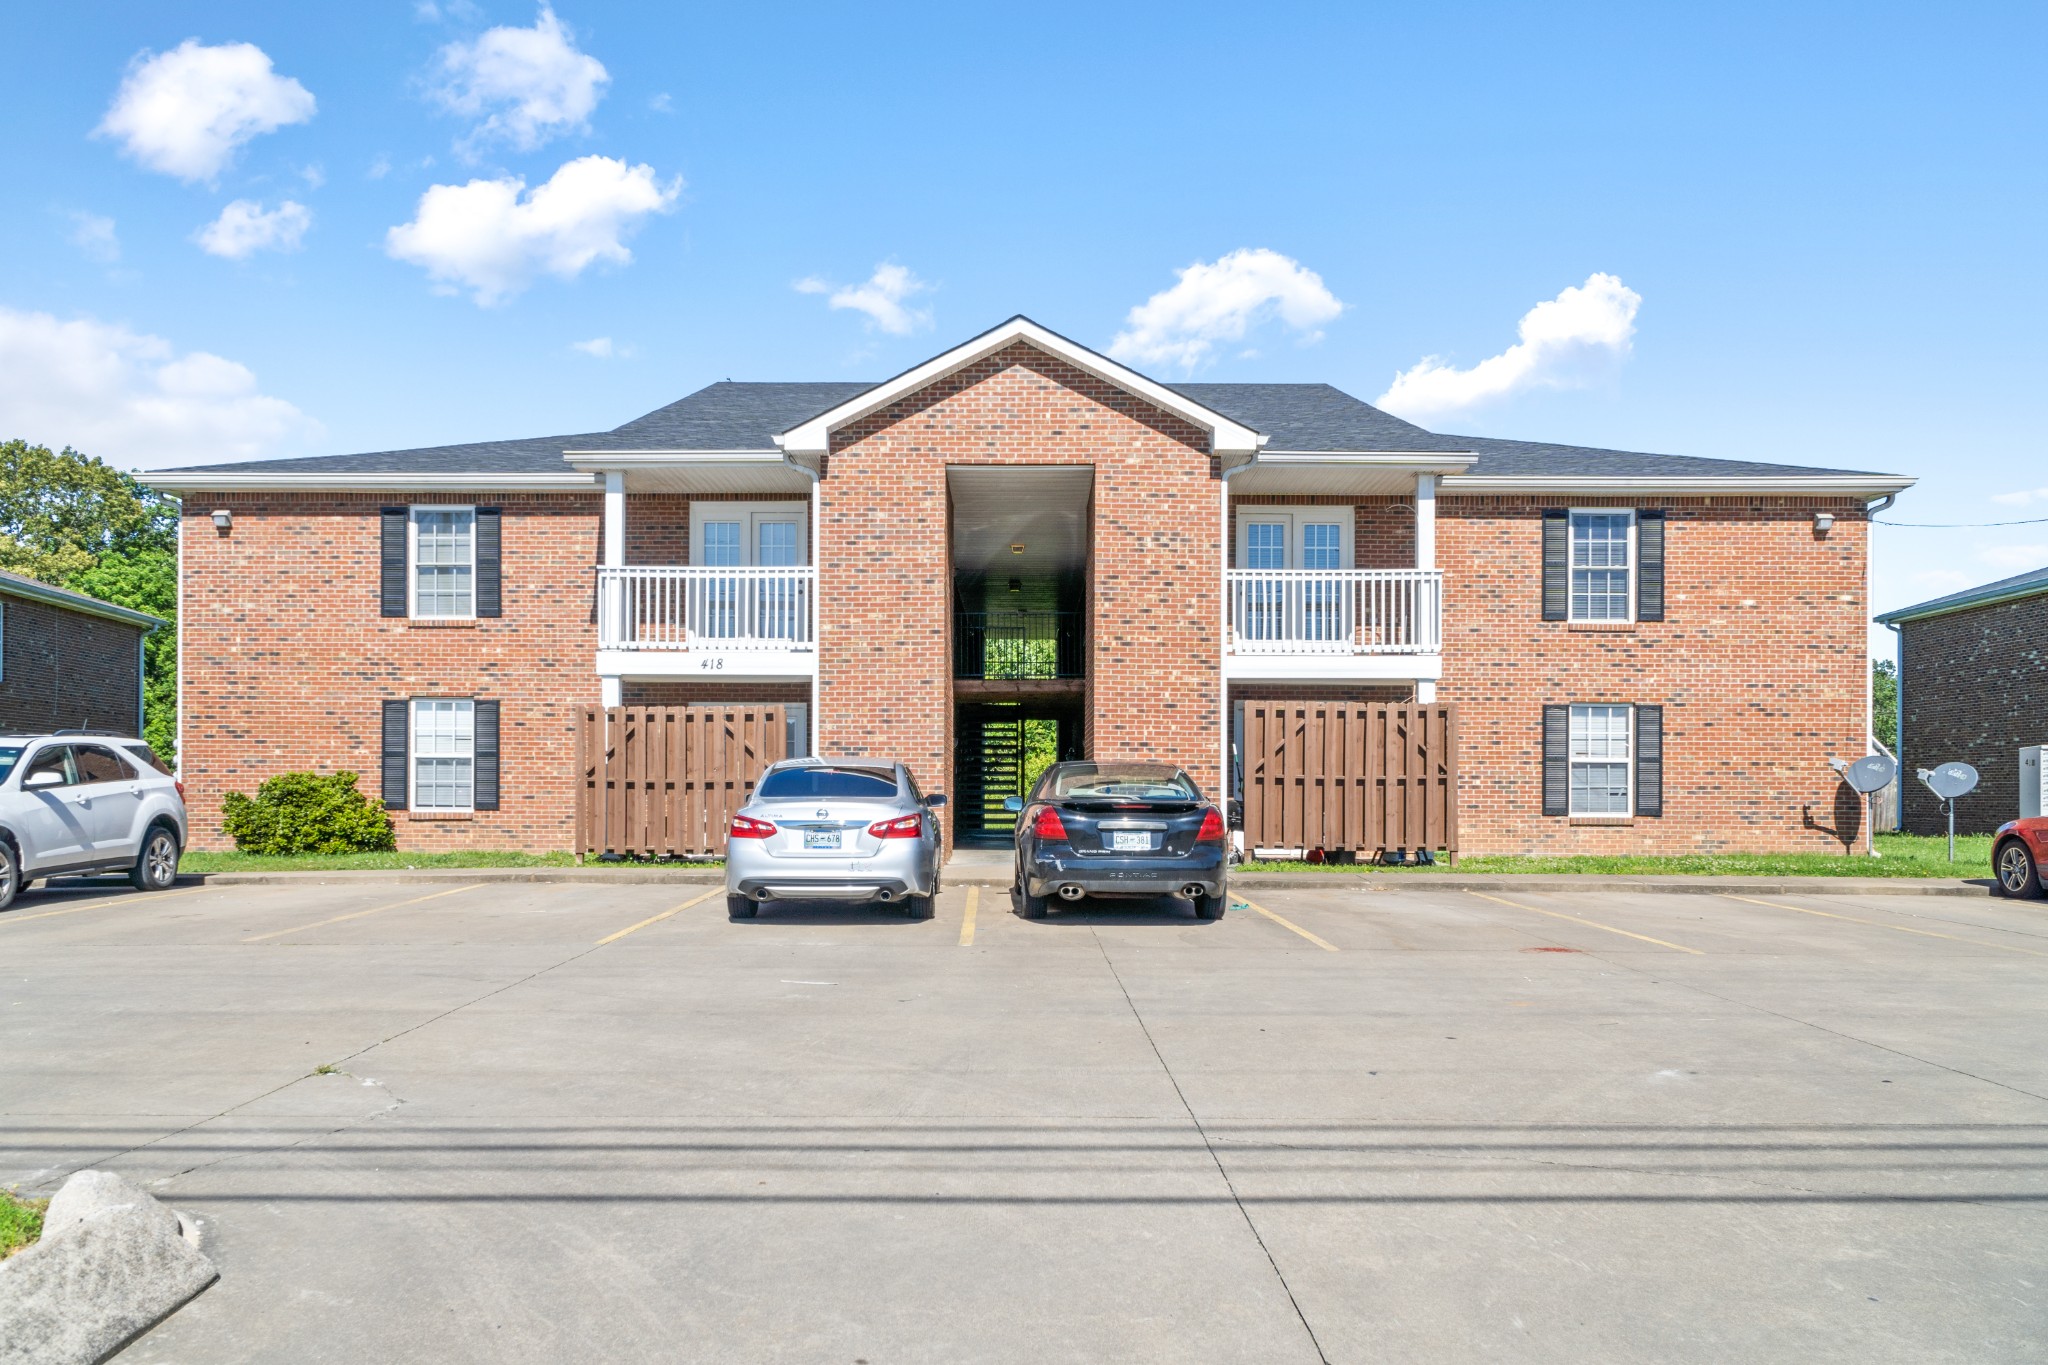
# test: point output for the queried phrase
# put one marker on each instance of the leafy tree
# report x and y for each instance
(77, 522)
(1884, 702)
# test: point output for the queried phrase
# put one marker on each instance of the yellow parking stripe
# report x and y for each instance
(967, 923)
(147, 896)
(1286, 923)
(1880, 924)
(1590, 924)
(656, 919)
(358, 914)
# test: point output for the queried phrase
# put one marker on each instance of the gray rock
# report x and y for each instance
(116, 1266)
(89, 1192)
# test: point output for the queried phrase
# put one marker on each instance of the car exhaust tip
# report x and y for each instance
(885, 895)
(1070, 892)
(763, 896)
(1193, 891)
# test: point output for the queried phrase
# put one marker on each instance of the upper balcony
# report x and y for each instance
(740, 623)
(1335, 623)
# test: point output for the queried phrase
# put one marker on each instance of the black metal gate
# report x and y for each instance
(993, 761)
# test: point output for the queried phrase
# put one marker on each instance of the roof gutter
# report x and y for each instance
(225, 482)
(1722, 485)
(1926, 611)
(78, 602)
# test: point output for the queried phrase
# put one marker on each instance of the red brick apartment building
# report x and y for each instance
(1648, 652)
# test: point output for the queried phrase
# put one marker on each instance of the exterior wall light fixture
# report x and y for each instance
(222, 519)
(1823, 522)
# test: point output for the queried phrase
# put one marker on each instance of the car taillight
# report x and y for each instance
(903, 827)
(745, 828)
(1212, 827)
(1048, 825)
(179, 783)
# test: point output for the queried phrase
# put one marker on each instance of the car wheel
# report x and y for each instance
(2018, 875)
(739, 907)
(10, 874)
(919, 907)
(156, 867)
(1211, 907)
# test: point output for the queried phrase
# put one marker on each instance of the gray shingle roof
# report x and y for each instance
(726, 416)
(15, 585)
(533, 455)
(1314, 417)
(2030, 584)
(1507, 458)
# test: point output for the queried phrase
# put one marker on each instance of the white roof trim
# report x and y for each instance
(600, 459)
(342, 481)
(1421, 461)
(814, 437)
(78, 602)
(1841, 485)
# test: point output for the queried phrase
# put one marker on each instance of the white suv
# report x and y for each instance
(76, 802)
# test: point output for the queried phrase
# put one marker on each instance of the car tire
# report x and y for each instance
(11, 882)
(156, 866)
(739, 907)
(2015, 870)
(1028, 905)
(919, 907)
(1211, 907)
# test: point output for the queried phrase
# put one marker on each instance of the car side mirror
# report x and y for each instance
(45, 778)
(935, 800)
(1013, 804)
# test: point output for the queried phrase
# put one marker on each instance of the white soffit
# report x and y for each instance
(696, 471)
(1364, 475)
(1044, 508)
(814, 437)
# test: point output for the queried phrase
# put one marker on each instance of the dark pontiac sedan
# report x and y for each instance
(1119, 829)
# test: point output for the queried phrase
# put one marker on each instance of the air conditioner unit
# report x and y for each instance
(2033, 781)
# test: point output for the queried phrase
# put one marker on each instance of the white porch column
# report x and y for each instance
(614, 520)
(1425, 554)
(612, 692)
(611, 606)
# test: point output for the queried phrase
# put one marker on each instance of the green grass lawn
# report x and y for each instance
(21, 1222)
(1901, 855)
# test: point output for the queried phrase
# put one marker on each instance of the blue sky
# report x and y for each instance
(1806, 233)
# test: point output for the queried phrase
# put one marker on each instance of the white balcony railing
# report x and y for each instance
(715, 609)
(1336, 611)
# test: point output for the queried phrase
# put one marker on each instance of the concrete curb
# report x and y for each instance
(112, 1263)
(1250, 881)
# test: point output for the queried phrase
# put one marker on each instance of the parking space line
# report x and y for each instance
(967, 921)
(147, 896)
(1590, 924)
(358, 914)
(656, 919)
(1880, 924)
(1286, 923)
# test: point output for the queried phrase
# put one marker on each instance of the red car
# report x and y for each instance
(2017, 852)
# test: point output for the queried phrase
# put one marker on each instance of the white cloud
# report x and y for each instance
(1220, 301)
(93, 234)
(1565, 343)
(526, 84)
(244, 228)
(133, 399)
(663, 103)
(2021, 497)
(184, 112)
(881, 298)
(493, 236)
(603, 348)
(314, 175)
(2014, 558)
(379, 168)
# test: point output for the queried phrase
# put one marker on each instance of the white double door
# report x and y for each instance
(750, 536)
(1294, 546)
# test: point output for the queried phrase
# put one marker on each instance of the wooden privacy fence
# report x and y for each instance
(667, 779)
(1353, 776)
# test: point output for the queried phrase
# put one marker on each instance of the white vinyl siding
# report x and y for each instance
(443, 753)
(1601, 760)
(1603, 566)
(444, 561)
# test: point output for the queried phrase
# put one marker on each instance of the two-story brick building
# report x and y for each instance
(1649, 652)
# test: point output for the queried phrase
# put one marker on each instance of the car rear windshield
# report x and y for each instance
(801, 784)
(1129, 781)
(10, 754)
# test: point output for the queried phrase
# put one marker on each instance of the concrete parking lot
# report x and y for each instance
(567, 1122)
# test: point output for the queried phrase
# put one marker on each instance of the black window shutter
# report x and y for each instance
(396, 716)
(1649, 566)
(1557, 760)
(1649, 760)
(486, 797)
(1557, 573)
(489, 576)
(391, 562)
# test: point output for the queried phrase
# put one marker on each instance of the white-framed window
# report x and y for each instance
(1603, 565)
(443, 753)
(443, 579)
(767, 535)
(1297, 537)
(1602, 760)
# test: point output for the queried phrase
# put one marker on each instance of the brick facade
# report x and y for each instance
(1976, 691)
(66, 669)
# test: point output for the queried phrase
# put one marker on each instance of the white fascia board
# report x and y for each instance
(628, 459)
(1727, 485)
(1421, 462)
(708, 665)
(814, 436)
(1907, 614)
(85, 606)
(1333, 667)
(375, 483)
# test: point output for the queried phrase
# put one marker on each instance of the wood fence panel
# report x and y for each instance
(1353, 777)
(666, 780)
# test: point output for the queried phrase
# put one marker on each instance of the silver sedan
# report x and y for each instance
(841, 830)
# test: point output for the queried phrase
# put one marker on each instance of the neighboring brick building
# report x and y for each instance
(68, 661)
(1973, 688)
(1648, 652)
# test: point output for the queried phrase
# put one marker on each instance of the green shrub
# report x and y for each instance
(307, 813)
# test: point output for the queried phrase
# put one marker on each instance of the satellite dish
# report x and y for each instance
(1873, 773)
(1950, 780)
